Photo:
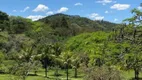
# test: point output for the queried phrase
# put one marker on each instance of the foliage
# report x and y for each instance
(68, 25)
(132, 56)
(102, 73)
(19, 25)
(3, 20)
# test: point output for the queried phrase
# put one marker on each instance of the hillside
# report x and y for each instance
(77, 23)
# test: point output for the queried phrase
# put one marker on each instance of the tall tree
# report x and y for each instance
(66, 59)
(133, 59)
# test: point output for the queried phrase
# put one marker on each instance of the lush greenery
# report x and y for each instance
(70, 47)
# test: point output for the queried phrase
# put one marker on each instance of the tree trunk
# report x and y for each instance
(45, 71)
(24, 78)
(67, 71)
(35, 72)
(136, 74)
(75, 73)
(45, 63)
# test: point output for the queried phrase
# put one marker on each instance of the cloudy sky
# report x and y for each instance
(110, 10)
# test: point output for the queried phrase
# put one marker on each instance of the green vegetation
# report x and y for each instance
(65, 47)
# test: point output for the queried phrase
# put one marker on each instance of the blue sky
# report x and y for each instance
(110, 10)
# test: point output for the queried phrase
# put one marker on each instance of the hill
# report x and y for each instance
(75, 24)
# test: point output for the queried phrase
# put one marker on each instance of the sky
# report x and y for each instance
(109, 10)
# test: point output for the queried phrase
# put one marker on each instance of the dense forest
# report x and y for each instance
(92, 50)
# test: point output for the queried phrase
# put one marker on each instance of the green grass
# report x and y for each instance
(62, 73)
(129, 74)
(41, 75)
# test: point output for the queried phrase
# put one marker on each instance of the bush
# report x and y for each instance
(102, 73)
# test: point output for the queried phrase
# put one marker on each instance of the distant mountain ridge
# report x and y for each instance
(82, 22)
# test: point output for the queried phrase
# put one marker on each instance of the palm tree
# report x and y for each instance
(66, 59)
(46, 52)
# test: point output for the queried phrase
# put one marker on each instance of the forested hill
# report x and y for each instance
(75, 21)
(58, 25)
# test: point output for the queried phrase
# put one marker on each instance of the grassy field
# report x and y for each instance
(130, 74)
(126, 74)
(41, 76)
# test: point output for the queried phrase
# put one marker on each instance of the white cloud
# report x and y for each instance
(93, 15)
(106, 12)
(120, 6)
(62, 9)
(115, 20)
(41, 8)
(25, 9)
(96, 16)
(104, 2)
(35, 17)
(78, 4)
(99, 18)
(139, 7)
(14, 11)
(50, 13)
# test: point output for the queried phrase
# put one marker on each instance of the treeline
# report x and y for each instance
(99, 48)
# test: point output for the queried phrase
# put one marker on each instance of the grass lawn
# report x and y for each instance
(126, 74)
(129, 74)
(41, 76)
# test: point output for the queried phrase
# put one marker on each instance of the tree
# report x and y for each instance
(79, 60)
(133, 54)
(25, 57)
(66, 59)
(3, 21)
(46, 55)
(101, 73)
(75, 60)
(91, 43)
(64, 23)
(3, 16)
(41, 33)
(19, 25)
